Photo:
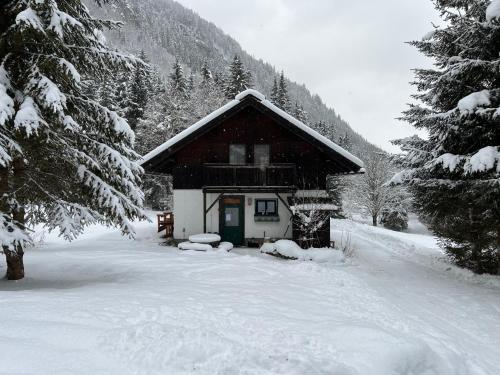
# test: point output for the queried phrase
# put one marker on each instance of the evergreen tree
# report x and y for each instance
(300, 114)
(178, 83)
(455, 173)
(64, 158)
(206, 74)
(394, 215)
(121, 94)
(283, 98)
(138, 96)
(239, 78)
(326, 129)
(345, 142)
(274, 93)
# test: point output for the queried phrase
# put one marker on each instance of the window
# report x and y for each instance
(266, 207)
(237, 154)
(261, 154)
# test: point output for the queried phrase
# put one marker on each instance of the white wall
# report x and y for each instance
(188, 215)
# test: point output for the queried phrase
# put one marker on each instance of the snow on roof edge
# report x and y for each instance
(242, 95)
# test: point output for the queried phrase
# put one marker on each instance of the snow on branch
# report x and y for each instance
(28, 18)
(12, 234)
(485, 160)
(28, 117)
(60, 20)
(474, 100)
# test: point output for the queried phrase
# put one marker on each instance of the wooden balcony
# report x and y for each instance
(266, 176)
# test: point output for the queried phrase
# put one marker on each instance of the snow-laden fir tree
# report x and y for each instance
(326, 129)
(179, 85)
(345, 142)
(455, 172)
(300, 113)
(283, 97)
(138, 93)
(238, 80)
(206, 74)
(279, 94)
(274, 97)
(65, 160)
(394, 215)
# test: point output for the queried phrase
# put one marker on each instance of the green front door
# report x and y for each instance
(232, 220)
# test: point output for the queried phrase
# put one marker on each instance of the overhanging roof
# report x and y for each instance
(199, 128)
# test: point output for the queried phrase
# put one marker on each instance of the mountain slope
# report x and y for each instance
(166, 30)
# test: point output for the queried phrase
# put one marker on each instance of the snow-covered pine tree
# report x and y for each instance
(326, 129)
(283, 98)
(206, 74)
(300, 114)
(65, 160)
(121, 95)
(138, 90)
(238, 80)
(345, 142)
(178, 82)
(455, 173)
(207, 96)
(274, 98)
(394, 215)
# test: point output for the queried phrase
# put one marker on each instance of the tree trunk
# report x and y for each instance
(13, 181)
(15, 264)
(374, 220)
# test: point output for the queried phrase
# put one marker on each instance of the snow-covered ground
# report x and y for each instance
(107, 305)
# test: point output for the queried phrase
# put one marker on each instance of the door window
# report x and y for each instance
(237, 154)
(232, 217)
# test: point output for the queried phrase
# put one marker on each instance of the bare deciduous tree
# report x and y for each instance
(373, 192)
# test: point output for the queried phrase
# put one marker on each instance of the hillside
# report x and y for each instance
(166, 30)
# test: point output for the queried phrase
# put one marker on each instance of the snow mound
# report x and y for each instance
(225, 246)
(194, 246)
(290, 250)
(205, 238)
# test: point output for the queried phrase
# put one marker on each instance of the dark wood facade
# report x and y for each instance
(297, 160)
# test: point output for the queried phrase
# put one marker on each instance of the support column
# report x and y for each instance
(204, 212)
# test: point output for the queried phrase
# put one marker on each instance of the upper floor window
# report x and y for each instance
(261, 154)
(237, 154)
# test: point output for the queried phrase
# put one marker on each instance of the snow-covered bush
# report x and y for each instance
(288, 249)
(395, 218)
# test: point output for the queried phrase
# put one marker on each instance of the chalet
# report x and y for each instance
(236, 171)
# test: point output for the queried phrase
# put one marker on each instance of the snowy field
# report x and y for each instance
(107, 305)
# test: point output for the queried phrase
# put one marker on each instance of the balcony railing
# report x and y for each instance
(281, 175)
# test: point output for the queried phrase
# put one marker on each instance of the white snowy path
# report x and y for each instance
(107, 305)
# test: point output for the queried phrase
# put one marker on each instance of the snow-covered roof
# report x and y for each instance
(233, 103)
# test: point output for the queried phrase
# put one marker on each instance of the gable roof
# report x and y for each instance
(194, 129)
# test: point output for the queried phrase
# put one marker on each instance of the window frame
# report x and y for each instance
(244, 153)
(266, 214)
(257, 162)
